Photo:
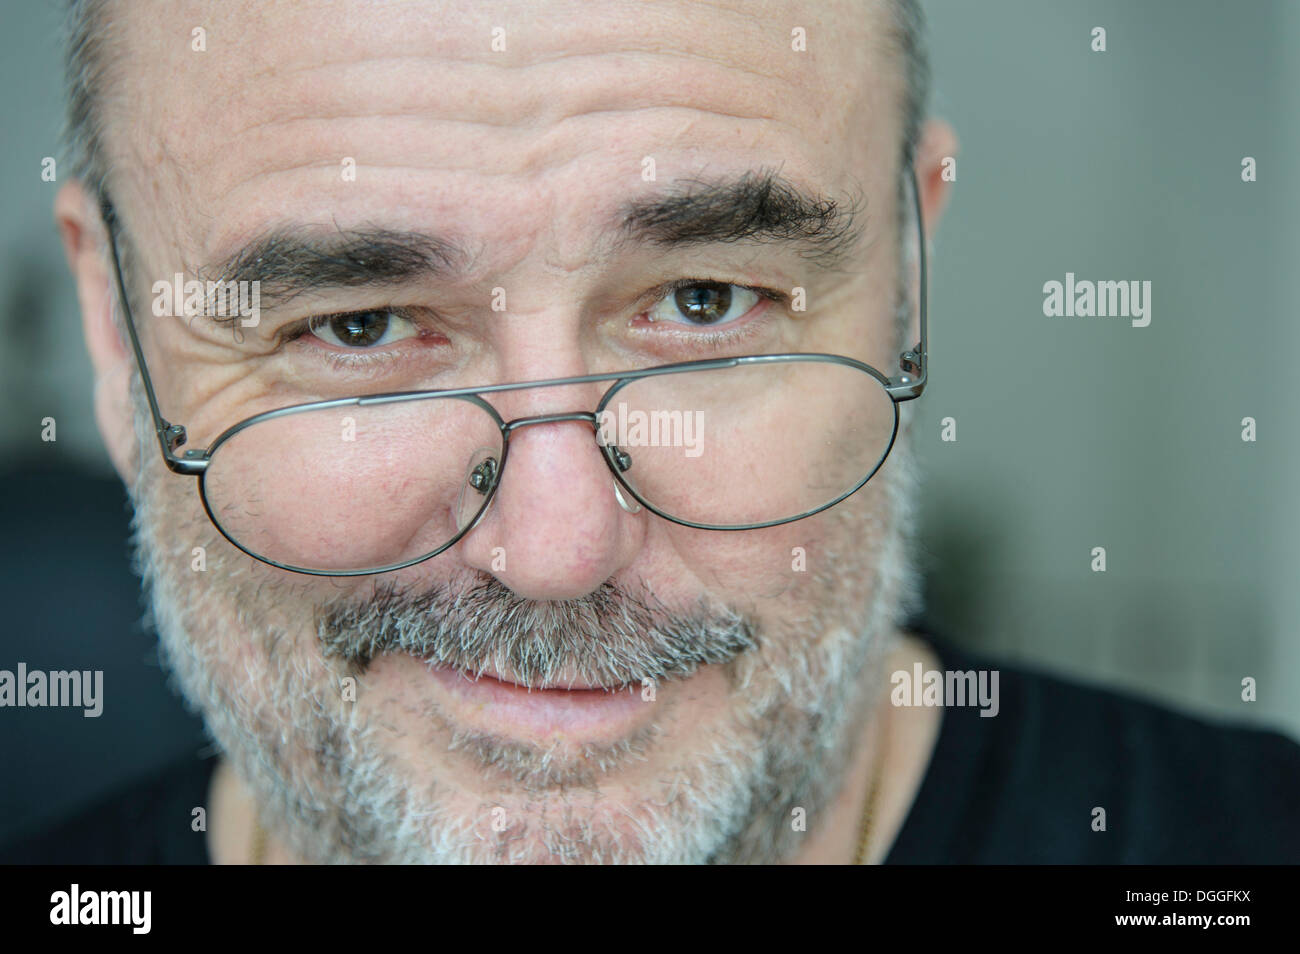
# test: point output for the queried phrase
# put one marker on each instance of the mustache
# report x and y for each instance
(609, 638)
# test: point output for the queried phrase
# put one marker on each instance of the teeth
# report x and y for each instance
(475, 676)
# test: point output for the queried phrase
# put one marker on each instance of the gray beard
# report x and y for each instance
(332, 791)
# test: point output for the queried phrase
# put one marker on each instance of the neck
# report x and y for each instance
(894, 745)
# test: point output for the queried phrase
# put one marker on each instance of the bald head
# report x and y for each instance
(95, 32)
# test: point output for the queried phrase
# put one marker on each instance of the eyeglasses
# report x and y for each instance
(375, 483)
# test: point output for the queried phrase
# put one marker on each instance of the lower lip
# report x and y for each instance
(579, 715)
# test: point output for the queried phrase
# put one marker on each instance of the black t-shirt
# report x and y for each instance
(1020, 787)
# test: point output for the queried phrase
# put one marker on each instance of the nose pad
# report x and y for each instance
(481, 475)
(623, 461)
(631, 506)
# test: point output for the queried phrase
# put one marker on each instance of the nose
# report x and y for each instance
(555, 529)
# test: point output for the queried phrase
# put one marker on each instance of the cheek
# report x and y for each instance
(788, 569)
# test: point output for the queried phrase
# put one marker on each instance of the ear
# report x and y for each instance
(936, 151)
(85, 243)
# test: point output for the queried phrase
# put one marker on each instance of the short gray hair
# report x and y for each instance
(87, 31)
(909, 39)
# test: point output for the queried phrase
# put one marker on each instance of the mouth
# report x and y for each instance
(561, 683)
(564, 711)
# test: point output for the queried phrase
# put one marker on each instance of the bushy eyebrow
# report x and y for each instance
(759, 206)
(756, 207)
(291, 261)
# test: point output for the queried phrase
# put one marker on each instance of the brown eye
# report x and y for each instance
(703, 304)
(362, 329)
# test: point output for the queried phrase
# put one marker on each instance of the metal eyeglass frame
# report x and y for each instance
(194, 462)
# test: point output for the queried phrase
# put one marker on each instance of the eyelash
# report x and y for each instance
(301, 329)
(660, 292)
(741, 330)
(736, 331)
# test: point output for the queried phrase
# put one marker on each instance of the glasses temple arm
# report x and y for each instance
(170, 436)
(914, 363)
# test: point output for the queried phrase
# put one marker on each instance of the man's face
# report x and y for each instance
(515, 134)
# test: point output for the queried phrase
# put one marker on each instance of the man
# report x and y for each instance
(496, 625)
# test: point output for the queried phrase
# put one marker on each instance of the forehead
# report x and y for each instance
(500, 118)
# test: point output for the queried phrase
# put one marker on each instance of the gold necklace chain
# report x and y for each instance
(257, 848)
(869, 809)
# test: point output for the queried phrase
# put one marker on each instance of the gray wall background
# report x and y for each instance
(1083, 432)
(1072, 433)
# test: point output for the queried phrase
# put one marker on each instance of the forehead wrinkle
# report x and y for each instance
(547, 105)
(749, 29)
(493, 61)
(603, 96)
(280, 121)
(535, 100)
(549, 149)
(574, 30)
(554, 147)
